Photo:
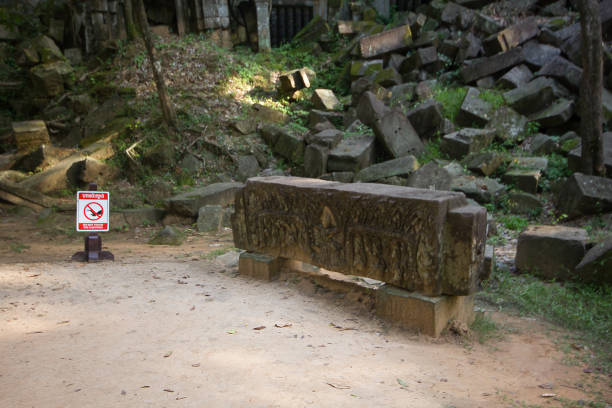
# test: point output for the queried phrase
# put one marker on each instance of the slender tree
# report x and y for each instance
(591, 88)
(129, 20)
(168, 111)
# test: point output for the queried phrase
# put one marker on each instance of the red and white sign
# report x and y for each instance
(92, 211)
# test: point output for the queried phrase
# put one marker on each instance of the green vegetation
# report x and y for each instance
(494, 97)
(485, 329)
(451, 100)
(557, 170)
(432, 151)
(514, 222)
(18, 247)
(585, 309)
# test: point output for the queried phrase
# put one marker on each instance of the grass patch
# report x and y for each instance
(432, 151)
(514, 222)
(451, 100)
(218, 252)
(586, 309)
(18, 247)
(484, 328)
(557, 169)
(494, 97)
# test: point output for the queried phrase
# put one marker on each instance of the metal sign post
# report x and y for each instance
(92, 215)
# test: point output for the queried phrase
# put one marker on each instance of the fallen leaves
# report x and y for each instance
(283, 325)
(168, 390)
(335, 326)
(259, 328)
(168, 354)
(338, 386)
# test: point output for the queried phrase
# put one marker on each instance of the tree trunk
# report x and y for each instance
(591, 88)
(168, 111)
(130, 26)
(180, 18)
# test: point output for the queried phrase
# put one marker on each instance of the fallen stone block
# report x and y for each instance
(138, 217)
(483, 163)
(566, 72)
(189, 203)
(482, 67)
(512, 36)
(470, 47)
(431, 177)
(555, 115)
(454, 14)
(327, 138)
(30, 135)
(516, 77)
(49, 79)
(596, 266)
(474, 111)
(420, 58)
(211, 218)
(352, 154)
(332, 225)
(295, 80)
(317, 116)
(403, 94)
(388, 77)
(487, 24)
(397, 136)
(518, 202)
(396, 167)
(339, 176)
(325, 99)
(396, 39)
(259, 266)
(480, 189)
(535, 95)
(583, 195)
(370, 109)
(290, 146)
(542, 144)
(247, 166)
(465, 141)
(550, 252)
(538, 55)
(426, 118)
(365, 68)
(315, 160)
(168, 236)
(524, 179)
(508, 124)
(427, 315)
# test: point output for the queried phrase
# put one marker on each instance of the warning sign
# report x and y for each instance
(92, 211)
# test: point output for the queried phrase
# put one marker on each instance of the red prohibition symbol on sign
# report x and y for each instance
(93, 211)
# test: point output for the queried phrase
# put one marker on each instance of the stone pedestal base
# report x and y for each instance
(429, 315)
(259, 266)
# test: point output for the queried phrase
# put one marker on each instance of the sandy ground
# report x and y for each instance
(172, 327)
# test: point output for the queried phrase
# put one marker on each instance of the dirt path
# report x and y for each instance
(167, 327)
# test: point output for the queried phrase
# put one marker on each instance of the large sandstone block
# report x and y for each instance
(428, 315)
(30, 135)
(352, 154)
(397, 136)
(426, 118)
(396, 167)
(512, 36)
(188, 204)
(396, 39)
(596, 266)
(482, 67)
(582, 195)
(465, 141)
(415, 239)
(549, 251)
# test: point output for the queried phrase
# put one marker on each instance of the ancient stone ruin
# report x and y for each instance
(414, 240)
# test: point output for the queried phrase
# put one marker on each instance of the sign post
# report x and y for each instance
(92, 215)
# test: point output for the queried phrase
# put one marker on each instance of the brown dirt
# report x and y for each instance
(167, 326)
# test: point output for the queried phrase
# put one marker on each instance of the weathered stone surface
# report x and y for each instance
(431, 177)
(534, 163)
(168, 236)
(556, 114)
(295, 80)
(49, 78)
(455, 14)
(426, 118)
(482, 67)
(483, 163)
(486, 82)
(512, 36)
(542, 144)
(371, 109)
(538, 55)
(144, 216)
(47, 49)
(596, 266)
(365, 68)
(74, 56)
(470, 47)
(325, 99)
(481, 189)
(317, 116)
(328, 138)
(523, 179)
(315, 160)
(332, 225)
(259, 266)
(395, 39)
(574, 157)
(508, 124)
(396, 167)
(339, 176)
(397, 136)
(91, 170)
(532, 96)
(290, 146)
(518, 202)
(388, 77)
(266, 114)
(352, 154)
(425, 89)
(566, 72)
(516, 77)
(550, 252)
(425, 314)
(474, 111)
(38, 159)
(582, 195)
(465, 141)
(210, 218)
(248, 166)
(420, 58)
(189, 203)
(402, 94)
(487, 24)
(30, 135)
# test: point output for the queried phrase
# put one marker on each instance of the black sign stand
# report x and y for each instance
(93, 245)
